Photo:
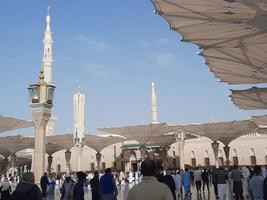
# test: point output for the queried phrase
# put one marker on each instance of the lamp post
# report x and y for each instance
(41, 102)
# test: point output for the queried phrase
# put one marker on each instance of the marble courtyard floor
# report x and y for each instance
(123, 192)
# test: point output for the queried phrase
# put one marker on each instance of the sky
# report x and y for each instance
(112, 51)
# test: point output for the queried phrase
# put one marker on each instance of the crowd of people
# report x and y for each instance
(151, 182)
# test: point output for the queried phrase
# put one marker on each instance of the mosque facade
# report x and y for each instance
(249, 149)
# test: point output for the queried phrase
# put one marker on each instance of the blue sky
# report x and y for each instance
(113, 51)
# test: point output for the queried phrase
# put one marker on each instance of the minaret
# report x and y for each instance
(47, 66)
(154, 105)
(79, 135)
(47, 55)
(79, 106)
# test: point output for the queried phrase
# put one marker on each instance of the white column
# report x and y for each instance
(67, 158)
(12, 162)
(98, 160)
(79, 135)
(180, 137)
(215, 148)
(47, 54)
(39, 147)
(79, 158)
(154, 109)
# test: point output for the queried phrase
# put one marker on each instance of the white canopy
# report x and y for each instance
(261, 121)
(13, 144)
(250, 99)
(51, 148)
(221, 131)
(140, 133)
(65, 141)
(99, 142)
(232, 34)
(9, 124)
(166, 140)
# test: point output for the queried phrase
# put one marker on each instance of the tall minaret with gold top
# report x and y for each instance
(47, 54)
(47, 65)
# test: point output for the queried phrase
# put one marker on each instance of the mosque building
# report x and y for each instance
(80, 151)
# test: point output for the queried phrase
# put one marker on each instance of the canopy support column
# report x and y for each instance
(98, 160)
(67, 158)
(49, 161)
(12, 162)
(142, 150)
(226, 149)
(180, 140)
(79, 157)
(164, 153)
(215, 148)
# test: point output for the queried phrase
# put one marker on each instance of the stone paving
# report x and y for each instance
(123, 192)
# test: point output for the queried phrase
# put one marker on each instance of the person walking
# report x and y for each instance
(256, 184)
(214, 181)
(205, 179)
(167, 179)
(5, 189)
(237, 177)
(78, 192)
(26, 189)
(265, 188)
(149, 188)
(94, 182)
(220, 177)
(67, 189)
(107, 186)
(186, 182)
(178, 183)
(246, 174)
(44, 183)
(197, 179)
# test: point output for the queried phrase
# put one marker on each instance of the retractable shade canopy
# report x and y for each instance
(221, 131)
(98, 143)
(140, 133)
(65, 141)
(261, 121)
(231, 33)
(51, 148)
(9, 124)
(250, 99)
(13, 144)
(163, 140)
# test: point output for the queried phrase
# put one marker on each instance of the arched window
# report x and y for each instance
(220, 156)
(193, 159)
(58, 168)
(252, 157)
(193, 155)
(252, 152)
(206, 158)
(235, 158)
(234, 152)
(206, 154)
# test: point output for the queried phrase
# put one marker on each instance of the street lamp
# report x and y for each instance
(41, 103)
